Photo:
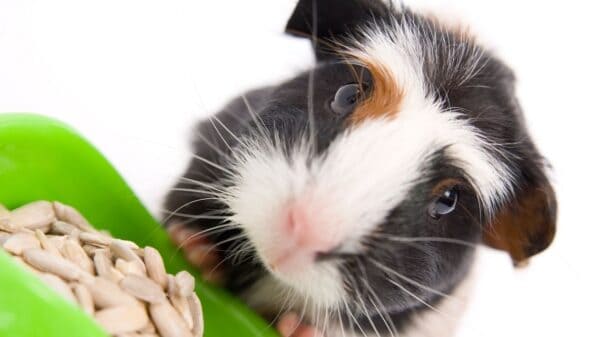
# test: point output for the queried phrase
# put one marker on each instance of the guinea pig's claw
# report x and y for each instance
(198, 250)
(289, 325)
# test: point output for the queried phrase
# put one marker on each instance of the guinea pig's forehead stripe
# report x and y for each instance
(393, 153)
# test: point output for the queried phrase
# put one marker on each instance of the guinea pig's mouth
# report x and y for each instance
(335, 254)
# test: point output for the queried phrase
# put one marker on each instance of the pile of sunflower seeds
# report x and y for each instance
(125, 288)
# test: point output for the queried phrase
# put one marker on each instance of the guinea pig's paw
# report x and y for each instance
(198, 250)
(290, 325)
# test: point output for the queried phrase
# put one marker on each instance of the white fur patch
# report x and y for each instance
(367, 171)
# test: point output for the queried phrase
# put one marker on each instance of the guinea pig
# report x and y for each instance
(348, 200)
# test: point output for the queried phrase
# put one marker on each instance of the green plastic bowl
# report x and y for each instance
(42, 159)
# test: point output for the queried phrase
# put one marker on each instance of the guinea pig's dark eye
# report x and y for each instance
(346, 98)
(444, 204)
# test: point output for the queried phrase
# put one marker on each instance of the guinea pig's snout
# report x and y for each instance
(306, 231)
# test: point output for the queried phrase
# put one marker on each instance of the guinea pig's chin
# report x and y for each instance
(321, 282)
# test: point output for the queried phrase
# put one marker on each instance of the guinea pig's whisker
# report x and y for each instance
(411, 281)
(212, 230)
(311, 79)
(210, 186)
(260, 124)
(373, 243)
(230, 256)
(387, 320)
(241, 250)
(340, 321)
(349, 315)
(171, 214)
(353, 318)
(189, 221)
(422, 239)
(435, 239)
(413, 295)
(195, 191)
(228, 130)
(200, 216)
(211, 163)
(284, 308)
(364, 309)
(220, 264)
(210, 119)
(233, 238)
(211, 145)
(316, 316)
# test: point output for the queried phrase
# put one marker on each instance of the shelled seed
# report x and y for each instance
(50, 263)
(39, 214)
(155, 266)
(124, 287)
(143, 288)
(122, 319)
(19, 242)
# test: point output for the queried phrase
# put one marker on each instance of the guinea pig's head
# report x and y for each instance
(368, 180)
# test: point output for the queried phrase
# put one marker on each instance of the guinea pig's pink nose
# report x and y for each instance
(306, 231)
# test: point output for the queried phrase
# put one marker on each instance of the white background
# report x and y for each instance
(133, 75)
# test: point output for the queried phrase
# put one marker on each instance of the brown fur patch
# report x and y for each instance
(385, 97)
(526, 226)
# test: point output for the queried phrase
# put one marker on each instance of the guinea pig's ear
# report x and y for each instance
(526, 225)
(329, 20)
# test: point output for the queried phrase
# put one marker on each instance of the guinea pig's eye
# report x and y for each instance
(445, 204)
(346, 98)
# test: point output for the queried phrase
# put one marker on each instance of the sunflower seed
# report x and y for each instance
(62, 228)
(59, 286)
(132, 245)
(143, 288)
(155, 266)
(5, 224)
(38, 214)
(171, 286)
(72, 216)
(122, 250)
(167, 321)
(73, 252)
(183, 307)
(122, 319)
(149, 328)
(130, 267)
(57, 241)
(84, 298)
(108, 294)
(19, 242)
(117, 297)
(47, 262)
(90, 250)
(104, 267)
(46, 243)
(26, 265)
(197, 317)
(94, 239)
(185, 283)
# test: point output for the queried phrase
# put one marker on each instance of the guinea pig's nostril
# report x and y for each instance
(294, 221)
